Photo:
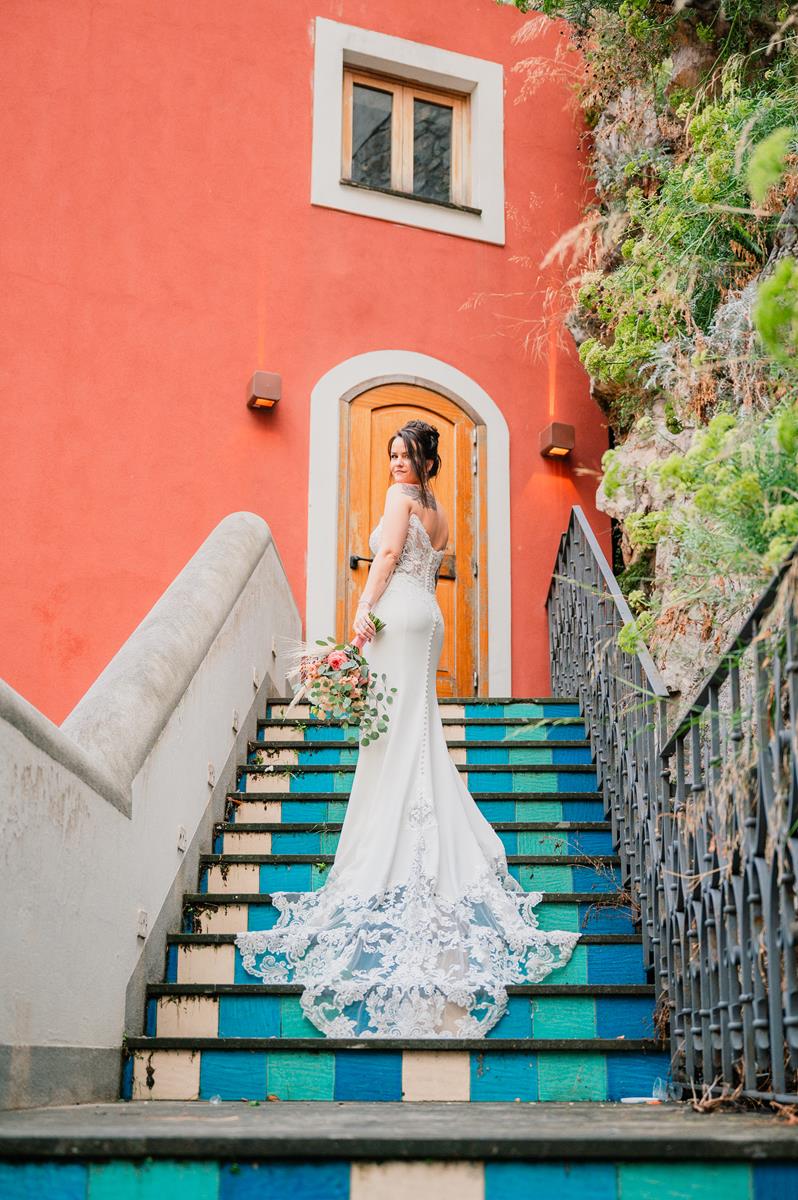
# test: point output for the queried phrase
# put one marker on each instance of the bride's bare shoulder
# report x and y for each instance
(400, 495)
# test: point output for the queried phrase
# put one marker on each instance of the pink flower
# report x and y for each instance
(337, 658)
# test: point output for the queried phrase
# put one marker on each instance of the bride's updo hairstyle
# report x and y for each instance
(421, 443)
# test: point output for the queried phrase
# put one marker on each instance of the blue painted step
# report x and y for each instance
(233, 838)
(596, 958)
(221, 1178)
(554, 729)
(265, 873)
(296, 808)
(469, 709)
(270, 1013)
(478, 754)
(254, 778)
(220, 913)
(381, 1070)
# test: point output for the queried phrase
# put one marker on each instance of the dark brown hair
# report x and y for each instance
(421, 443)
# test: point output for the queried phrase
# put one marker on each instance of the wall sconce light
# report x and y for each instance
(264, 390)
(557, 440)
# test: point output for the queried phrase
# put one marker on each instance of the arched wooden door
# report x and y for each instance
(367, 423)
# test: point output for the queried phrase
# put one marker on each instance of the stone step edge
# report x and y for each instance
(236, 797)
(443, 1131)
(535, 860)
(336, 826)
(206, 899)
(380, 1044)
(228, 939)
(453, 744)
(645, 990)
(469, 768)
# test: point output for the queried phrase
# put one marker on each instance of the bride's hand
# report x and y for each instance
(363, 625)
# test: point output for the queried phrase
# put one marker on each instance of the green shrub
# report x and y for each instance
(766, 164)
(776, 312)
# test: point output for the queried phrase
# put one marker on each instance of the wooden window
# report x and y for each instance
(402, 137)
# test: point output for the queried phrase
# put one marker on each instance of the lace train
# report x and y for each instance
(407, 962)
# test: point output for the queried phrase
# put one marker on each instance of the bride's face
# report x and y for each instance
(402, 468)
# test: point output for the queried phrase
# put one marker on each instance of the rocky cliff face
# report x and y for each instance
(686, 309)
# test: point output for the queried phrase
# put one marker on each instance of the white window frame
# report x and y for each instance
(403, 94)
(337, 45)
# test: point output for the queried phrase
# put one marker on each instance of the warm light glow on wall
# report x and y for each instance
(552, 367)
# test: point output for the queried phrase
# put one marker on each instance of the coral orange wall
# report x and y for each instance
(159, 246)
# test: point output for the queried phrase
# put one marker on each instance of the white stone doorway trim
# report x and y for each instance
(349, 379)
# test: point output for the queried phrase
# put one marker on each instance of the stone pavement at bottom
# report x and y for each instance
(353, 1151)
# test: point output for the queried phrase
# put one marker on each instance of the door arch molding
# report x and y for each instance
(346, 381)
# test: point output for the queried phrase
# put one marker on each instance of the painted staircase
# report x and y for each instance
(527, 1111)
(586, 1033)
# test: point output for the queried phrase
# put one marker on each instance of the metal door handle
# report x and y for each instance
(354, 559)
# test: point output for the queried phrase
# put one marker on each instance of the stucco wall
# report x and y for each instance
(160, 245)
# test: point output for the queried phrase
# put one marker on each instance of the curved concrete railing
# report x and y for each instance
(102, 819)
(40, 731)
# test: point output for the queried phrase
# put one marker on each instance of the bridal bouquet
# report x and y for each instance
(341, 687)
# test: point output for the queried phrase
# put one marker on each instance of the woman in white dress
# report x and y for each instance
(419, 927)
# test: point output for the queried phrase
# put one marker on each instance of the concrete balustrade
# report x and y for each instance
(91, 812)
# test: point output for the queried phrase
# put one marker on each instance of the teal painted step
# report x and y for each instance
(563, 729)
(271, 1013)
(218, 913)
(233, 838)
(339, 1180)
(316, 807)
(471, 753)
(305, 873)
(481, 778)
(282, 753)
(384, 1070)
(535, 708)
(596, 959)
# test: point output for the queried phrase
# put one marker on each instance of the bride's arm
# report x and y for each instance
(395, 521)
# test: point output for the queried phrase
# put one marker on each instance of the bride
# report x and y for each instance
(419, 927)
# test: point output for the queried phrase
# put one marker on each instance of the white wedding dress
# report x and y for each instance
(419, 927)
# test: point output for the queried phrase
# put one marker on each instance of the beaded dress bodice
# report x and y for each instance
(419, 560)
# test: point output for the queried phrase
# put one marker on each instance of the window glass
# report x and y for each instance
(371, 136)
(432, 150)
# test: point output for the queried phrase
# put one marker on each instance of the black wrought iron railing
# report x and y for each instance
(703, 802)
